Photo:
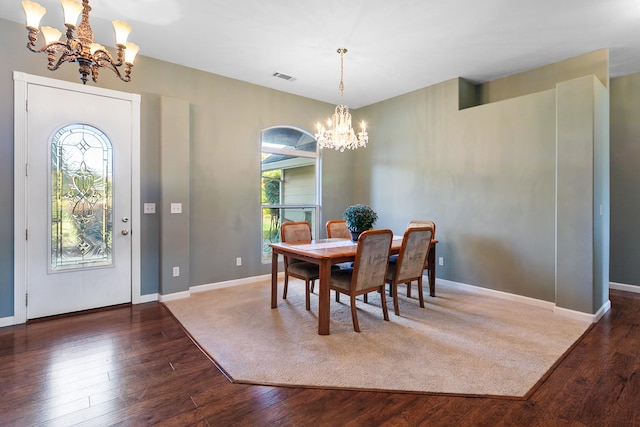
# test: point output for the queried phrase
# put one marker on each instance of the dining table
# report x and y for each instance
(325, 253)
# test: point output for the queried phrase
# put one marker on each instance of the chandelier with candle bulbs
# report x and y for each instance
(340, 135)
(79, 46)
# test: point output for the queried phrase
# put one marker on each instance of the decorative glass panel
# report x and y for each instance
(81, 198)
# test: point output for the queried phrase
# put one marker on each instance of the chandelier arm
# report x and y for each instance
(94, 72)
(105, 61)
(102, 57)
(66, 54)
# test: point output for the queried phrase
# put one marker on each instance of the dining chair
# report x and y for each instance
(368, 272)
(410, 264)
(337, 228)
(417, 223)
(298, 231)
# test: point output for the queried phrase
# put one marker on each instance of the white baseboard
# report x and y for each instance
(235, 282)
(491, 292)
(219, 285)
(623, 287)
(578, 315)
(7, 321)
(10, 321)
(513, 297)
(174, 296)
(572, 314)
(146, 298)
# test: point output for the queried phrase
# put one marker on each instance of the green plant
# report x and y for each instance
(359, 218)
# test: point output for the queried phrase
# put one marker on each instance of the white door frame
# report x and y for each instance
(21, 82)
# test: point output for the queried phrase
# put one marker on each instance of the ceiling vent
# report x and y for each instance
(284, 77)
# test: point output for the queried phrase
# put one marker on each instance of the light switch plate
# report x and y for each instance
(176, 208)
(149, 208)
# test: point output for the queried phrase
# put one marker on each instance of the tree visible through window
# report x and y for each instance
(271, 182)
(289, 181)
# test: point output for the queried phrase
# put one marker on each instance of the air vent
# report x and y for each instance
(284, 77)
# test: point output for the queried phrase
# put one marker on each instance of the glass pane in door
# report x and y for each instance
(81, 198)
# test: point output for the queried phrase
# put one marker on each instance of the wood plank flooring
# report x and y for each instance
(135, 366)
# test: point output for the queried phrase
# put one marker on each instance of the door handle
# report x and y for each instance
(125, 232)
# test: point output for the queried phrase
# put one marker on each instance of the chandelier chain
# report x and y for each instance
(341, 86)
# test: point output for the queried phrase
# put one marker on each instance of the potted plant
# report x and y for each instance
(359, 218)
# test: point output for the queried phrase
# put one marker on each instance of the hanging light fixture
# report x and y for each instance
(79, 47)
(340, 134)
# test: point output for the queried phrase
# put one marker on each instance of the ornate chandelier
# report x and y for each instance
(340, 134)
(80, 48)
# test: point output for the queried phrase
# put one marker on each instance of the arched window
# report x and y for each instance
(81, 196)
(290, 176)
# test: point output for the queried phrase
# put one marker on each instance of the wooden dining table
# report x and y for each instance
(325, 253)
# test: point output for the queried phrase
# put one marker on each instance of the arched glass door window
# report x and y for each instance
(81, 198)
(289, 181)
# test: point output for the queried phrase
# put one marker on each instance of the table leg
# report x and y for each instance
(432, 270)
(274, 280)
(324, 301)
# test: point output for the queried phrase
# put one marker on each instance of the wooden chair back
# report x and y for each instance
(372, 260)
(413, 254)
(298, 231)
(422, 223)
(293, 232)
(337, 228)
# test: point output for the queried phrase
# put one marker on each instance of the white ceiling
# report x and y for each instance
(395, 46)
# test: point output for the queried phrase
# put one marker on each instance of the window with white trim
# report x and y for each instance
(289, 181)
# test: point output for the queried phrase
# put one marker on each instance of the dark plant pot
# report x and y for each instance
(355, 235)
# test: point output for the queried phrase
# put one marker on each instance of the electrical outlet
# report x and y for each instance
(441, 260)
(149, 208)
(238, 261)
(176, 271)
(176, 208)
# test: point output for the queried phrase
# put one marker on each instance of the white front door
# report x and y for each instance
(78, 201)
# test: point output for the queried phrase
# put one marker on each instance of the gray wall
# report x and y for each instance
(174, 189)
(471, 171)
(546, 77)
(487, 176)
(488, 184)
(625, 180)
(339, 190)
(225, 120)
(582, 194)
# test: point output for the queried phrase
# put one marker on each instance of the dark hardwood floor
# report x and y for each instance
(135, 366)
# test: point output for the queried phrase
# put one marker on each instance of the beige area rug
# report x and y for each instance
(463, 342)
